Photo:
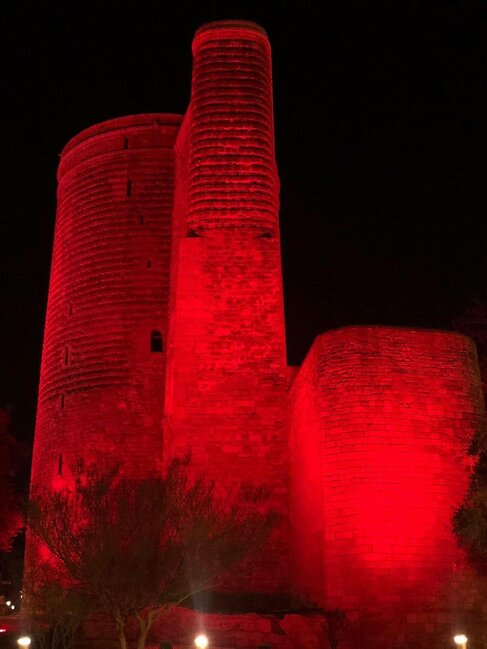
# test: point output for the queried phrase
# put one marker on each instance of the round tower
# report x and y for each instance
(103, 361)
(232, 175)
(227, 373)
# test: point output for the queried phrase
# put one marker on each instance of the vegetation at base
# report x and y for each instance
(470, 520)
(53, 609)
(135, 549)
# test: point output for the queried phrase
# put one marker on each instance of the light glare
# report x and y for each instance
(460, 639)
(201, 641)
(24, 641)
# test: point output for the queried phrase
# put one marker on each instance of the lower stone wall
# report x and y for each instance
(381, 421)
(431, 628)
(225, 631)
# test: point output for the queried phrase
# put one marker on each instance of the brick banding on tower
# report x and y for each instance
(165, 335)
(98, 377)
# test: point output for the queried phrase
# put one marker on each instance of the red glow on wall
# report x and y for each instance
(231, 165)
(101, 389)
(392, 413)
(165, 335)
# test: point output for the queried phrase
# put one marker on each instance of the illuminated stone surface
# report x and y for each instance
(165, 334)
(101, 391)
(381, 422)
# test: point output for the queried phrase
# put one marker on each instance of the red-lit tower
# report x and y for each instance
(103, 362)
(165, 336)
(381, 422)
(227, 372)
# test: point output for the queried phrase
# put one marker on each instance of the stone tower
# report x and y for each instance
(227, 371)
(165, 336)
(103, 361)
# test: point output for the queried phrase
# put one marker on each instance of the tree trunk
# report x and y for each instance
(142, 638)
(121, 633)
(122, 639)
(144, 626)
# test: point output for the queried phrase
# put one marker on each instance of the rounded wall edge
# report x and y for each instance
(382, 418)
(360, 333)
(357, 332)
(223, 28)
(118, 123)
(125, 135)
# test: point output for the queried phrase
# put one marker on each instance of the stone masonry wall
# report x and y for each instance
(232, 170)
(382, 419)
(101, 389)
(165, 335)
(227, 378)
(227, 382)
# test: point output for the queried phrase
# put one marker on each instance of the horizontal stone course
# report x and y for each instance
(170, 225)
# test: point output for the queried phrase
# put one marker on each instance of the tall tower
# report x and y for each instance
(225, 400)
(103, 361)
(165, 336)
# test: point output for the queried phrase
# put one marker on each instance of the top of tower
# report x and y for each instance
(247, 25)
(212, 30)
(120, 123)
(232, 177)
(153, 130)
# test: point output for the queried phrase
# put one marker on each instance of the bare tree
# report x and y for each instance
(138, 548)
(55, 609)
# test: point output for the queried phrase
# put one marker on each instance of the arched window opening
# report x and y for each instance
(156, 341)
(60, 465)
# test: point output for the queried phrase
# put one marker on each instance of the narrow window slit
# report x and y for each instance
(149, 263)
(66, 355)
(61, 402)
(60, 465)
(129, 187)
(125, 143)
(141, 220)
(156, 341)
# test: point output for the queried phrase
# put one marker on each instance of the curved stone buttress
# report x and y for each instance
(101, 387)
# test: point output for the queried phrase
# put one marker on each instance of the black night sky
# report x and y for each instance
(381, 135)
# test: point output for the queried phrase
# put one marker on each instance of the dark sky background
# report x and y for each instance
(381, 135)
